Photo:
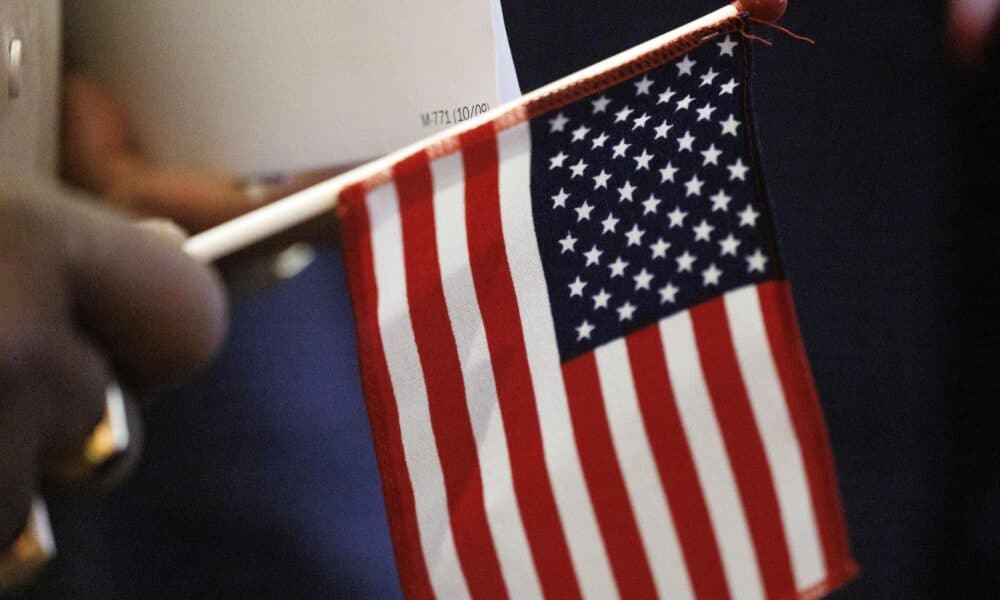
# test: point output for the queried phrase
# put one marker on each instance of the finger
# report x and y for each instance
(157, 313)
(195, 200)
(166, 229)
(45, 418)
(16, 471)
(51, 382)
(74, 392)
(23, 351)
(19, 443)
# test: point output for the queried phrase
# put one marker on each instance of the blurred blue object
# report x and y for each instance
(258, 480)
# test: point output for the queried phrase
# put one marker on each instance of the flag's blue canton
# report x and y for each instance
(644, 201)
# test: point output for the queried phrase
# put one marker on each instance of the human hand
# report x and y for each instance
(85, 296)
(101, 155)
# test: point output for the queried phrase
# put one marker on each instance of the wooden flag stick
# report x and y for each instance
(311, 202)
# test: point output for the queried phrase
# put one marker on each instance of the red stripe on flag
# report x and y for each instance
(604, 479)
(743, 445)
(442, 370)
(806, 414)
(516, 395)
(397, 489)
(675, 464)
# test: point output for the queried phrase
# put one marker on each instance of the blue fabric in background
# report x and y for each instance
(257, 481)
(273, 454)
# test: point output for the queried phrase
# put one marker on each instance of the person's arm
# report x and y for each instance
(85, 297)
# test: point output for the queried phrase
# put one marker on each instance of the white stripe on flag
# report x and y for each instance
(586, 547)
(407, 378)
(767, 400)
(739, 560)
(635, 458)
(502, 509)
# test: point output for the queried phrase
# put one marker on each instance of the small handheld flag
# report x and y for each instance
(580, 354)
(579, 351)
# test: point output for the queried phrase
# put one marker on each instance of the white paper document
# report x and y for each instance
(258, 86)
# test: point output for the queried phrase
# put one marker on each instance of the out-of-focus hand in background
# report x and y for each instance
(100, 154)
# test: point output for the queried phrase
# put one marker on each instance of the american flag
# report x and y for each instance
(580, 356)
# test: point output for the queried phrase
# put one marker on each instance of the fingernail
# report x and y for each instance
(165, 228)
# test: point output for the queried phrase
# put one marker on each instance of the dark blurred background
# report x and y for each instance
(882, 159)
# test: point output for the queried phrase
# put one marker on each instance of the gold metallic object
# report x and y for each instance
(36, 546)
(32, 549)
(108, 440)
